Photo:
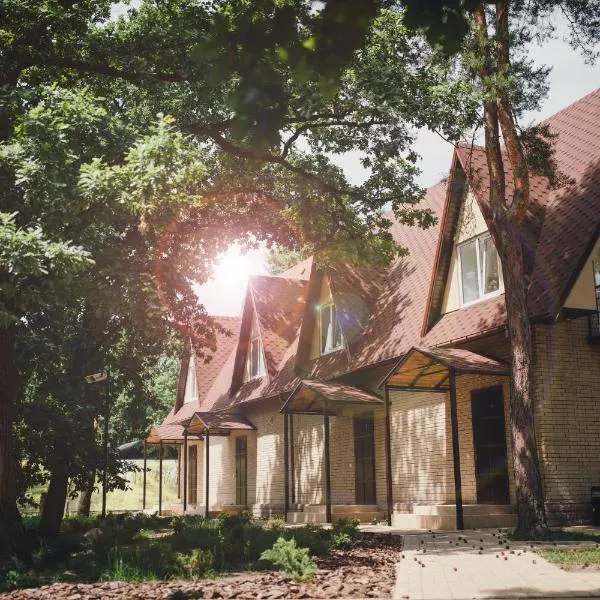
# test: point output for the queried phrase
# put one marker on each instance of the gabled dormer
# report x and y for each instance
(255, 364)
(190, 393)
(474, 273)
(327, 336)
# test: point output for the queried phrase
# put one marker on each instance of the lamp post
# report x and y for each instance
(97, 378)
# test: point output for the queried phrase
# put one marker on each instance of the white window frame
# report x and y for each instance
(482, 296)
(329, 306)
(191, 368)
(260, 372)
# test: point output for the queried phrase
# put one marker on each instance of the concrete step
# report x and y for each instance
(316, 513)
(443, 510)
(448, 522)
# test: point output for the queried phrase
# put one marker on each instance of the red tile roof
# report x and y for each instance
(383, 313)
(209, 376)
(560, 228)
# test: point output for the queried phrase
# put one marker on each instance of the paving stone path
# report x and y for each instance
(483, 564)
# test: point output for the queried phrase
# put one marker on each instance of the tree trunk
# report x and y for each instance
(54, 508)
(85, 499)
(528, 480)
(12, 532)
(507, 219)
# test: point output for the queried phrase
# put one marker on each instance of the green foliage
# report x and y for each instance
(14, 575)
(276, 523)
(295, 561)
(196, 564)
(282, 259)
(347, 527)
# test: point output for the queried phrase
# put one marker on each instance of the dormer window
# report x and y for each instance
(479, 268)
(256, 363)
(331, 334)
(191, 386)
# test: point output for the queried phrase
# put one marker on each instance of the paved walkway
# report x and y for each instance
(440, 565)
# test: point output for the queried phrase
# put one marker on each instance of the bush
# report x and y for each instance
(275, 523)
(341, 540)
(14, 576)
(313, 537)
(295, 561)
(347, 527)
(196, 564)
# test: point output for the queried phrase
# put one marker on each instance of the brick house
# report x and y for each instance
(385, 393)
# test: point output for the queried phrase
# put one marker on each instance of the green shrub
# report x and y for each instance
(275, 523)
(14, 576)
(196, 564)
(347, 527)
(313, 537)
(340, 540)
(295, 561)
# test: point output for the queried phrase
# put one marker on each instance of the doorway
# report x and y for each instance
(489, 443)
(364, 459)
(193, 475)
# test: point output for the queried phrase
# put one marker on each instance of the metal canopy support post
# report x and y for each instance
(292, 459)
(145, 469)
(207, 449)
(286, 483)
(327, 469)
(456, 452)
(160, 466)
(185, 469)
(388, 455)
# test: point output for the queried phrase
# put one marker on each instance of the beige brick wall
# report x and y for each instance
(422, 463)
(465, 384)
(566, 379)
(420, 448)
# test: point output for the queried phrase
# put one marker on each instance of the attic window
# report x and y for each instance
(256, 363)
(480, 272)
(191, 386)
(331, 334)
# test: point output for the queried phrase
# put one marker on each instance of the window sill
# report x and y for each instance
(483, 298)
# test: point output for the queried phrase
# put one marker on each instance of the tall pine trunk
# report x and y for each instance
(507, 220)
(54, 508)
(12, 532)
(528, 480)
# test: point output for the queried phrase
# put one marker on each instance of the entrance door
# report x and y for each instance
(364, 460)
(489, 440)
(241, 471)
(193, 475)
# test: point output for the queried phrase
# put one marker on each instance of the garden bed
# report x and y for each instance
(365, 568)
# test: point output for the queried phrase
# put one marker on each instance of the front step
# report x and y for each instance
(443, 516)
(316, 513)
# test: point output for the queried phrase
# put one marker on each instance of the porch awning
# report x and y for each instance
(429, 368)
(168, 433)
(217, 423)
(312, 396)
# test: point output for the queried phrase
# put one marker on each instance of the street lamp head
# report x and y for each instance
(95, 377)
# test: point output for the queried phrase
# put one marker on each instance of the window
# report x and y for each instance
(331, 334)
(596, 267)
(256, 363)
(480, 272)
(241, 471)
(191, 387)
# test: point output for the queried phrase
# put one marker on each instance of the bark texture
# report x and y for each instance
(12, 533)
(85, 499)
(54, 508)
(507, 219)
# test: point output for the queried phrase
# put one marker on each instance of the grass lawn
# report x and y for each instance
(572, 558)
(131, 499)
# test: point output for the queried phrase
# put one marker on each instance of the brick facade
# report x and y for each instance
(566, 378)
